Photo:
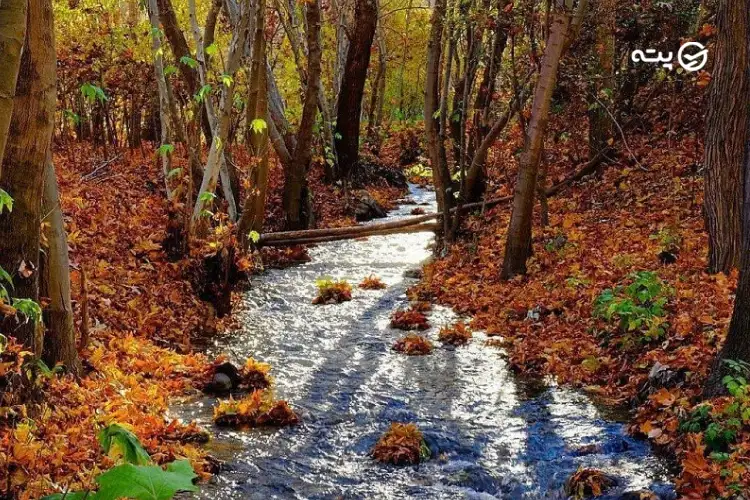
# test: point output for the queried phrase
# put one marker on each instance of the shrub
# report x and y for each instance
(638, 308)
(458, 334)
(372, 282)
(409, 319)
(413, 345)
(402, 444)
(332, 292)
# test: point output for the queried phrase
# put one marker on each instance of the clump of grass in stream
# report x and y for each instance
(402, 444)
(586, 483)
(458, 334)
(332, 291)
(254, 375)
(413, 345)
(409, 319)
(255, 410)
(372, 282)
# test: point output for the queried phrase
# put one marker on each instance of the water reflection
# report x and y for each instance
(490, 436)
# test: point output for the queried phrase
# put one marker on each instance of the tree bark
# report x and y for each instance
(601, 126)
(297, 197)
(26, 151)
(435, 133)
(255, 204)
(726, 133)
(353, 86)
(60, 340)
(518, 243)
(12, 34)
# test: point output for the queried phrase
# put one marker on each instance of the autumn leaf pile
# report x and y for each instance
(413, 345)
(409, 319)
(601, 231)
(259, 408)
(402, 444)
(458, 334)
(372, 282)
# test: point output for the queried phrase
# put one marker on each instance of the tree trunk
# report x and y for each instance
(60, 340)
(518, 244)
(26, 151)
(255, 204)
(737, 344)
(12, 35)
(601, 126)
(726, 132)
(353, 86)
(297, 196)
(435, 133)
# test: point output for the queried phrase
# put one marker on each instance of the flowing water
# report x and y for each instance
(491, 435)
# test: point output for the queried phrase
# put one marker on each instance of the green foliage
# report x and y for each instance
(72, 117)
(669, 239)
(253, 236)
(170, 70)
(212, 50)
(174, 173)
(206, 197)
(165, 150)
(93, 93)
(114, 437)
(136, 477)
(189, 62)
(6, 202)
(202, 93)
(30, 309)
(258, 125)
(638, 307)
(226, 80)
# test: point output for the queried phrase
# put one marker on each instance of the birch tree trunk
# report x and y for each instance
(518, 243)
(223, 122)
(26, 151)
(60, 340)
(12, 34)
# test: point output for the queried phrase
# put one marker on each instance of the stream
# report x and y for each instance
(491, 434)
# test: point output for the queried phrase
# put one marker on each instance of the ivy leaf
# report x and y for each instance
(189, 61)
(125, 442)
(146, 482)
(258, 125)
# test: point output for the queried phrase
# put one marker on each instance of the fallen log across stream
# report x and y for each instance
(410, 225)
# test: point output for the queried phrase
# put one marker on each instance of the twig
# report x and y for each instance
(619, 128)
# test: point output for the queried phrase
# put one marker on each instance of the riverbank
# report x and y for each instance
(638, 216)
(144, 319)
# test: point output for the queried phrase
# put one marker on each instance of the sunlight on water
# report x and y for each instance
(492, 436)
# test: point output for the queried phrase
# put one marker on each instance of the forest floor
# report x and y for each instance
(145, 317)
(601, 232)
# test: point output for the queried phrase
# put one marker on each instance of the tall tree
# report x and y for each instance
(12, 35)
(254, 208)
(353, 86)
(726, 129)
(518, 243)
(25, 158)
(603, 81)
(297, 196)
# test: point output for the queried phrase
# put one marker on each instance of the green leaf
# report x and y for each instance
(258, 125)
(202, 93)
(28, 308)
(170, 70)
(227, 80)
(206, 197)
(189, 61)
(93, 92)
(146, 482)
(212, 50)
(72, 495)
(125, 442)
(6, 277)
(253, 236)
(165, 149)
